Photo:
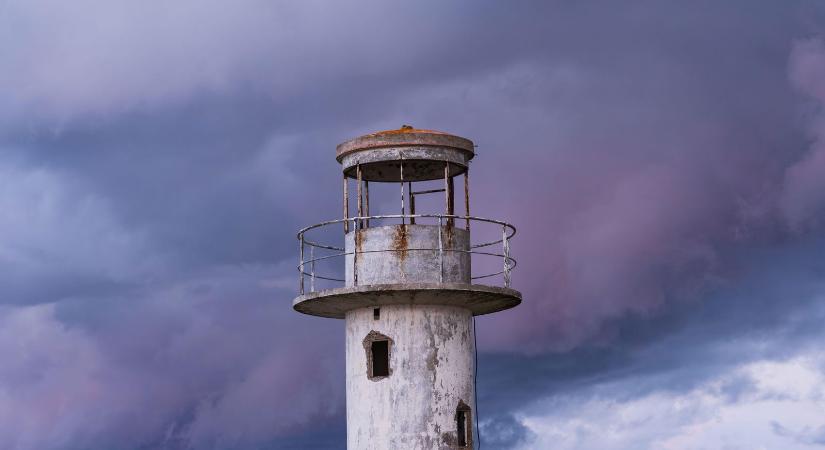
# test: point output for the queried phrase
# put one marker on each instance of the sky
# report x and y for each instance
(663, 161)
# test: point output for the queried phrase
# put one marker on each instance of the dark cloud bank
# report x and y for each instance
(664, 162)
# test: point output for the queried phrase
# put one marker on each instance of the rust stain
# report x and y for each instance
(359, 241)
(449, 235)
(399, 241)
(405, 129)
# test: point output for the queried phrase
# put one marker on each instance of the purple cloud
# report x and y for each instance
(156, 161)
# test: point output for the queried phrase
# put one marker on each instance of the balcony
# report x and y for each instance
(410, 258)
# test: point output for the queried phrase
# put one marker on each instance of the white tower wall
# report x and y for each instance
(432, 373)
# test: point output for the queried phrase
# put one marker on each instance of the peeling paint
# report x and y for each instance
(399, 242)
(432, 372)
(405, 253)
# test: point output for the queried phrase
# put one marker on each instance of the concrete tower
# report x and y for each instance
(405, 285)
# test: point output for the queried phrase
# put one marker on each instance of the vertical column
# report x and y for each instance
(301, 265)
(346, 205)
(448, 194)
(467, 196)
(367, 200)
(360, 206)
(403, 220)
(412, 203)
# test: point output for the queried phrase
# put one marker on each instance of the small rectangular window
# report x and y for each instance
(380, 358)
(376, 313)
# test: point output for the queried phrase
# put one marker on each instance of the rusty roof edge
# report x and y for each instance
(416, 138)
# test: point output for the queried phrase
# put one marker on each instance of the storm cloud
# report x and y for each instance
(664, 163)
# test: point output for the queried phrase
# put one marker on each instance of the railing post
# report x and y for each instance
(401, 169)
(355, 238)
(312, 268)
(412, 202)
(440, 252)
(506, 245)
(367, 200)
(346, 205)
(301, 265)
(467, 196)
(360, 224)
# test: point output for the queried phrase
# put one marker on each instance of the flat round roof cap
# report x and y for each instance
(406, 136)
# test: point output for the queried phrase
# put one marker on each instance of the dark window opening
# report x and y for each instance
(380, 358)
(376, 313)
(464, 426)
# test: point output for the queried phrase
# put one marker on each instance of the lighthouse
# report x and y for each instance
(408, 282)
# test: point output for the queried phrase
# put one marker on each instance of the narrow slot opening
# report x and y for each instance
(380, 358)
(461, 418)
(376, 313)
(464, 425)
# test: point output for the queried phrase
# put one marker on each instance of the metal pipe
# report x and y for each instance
(506, 248)
(367, 198)
(448, 194)
(403, 220)
(346, 205)
(446, 187)
(451, 204)
(355, 259)
(470, 252)
(359, 224)
(440, 254)
(412, 203)
(397, 216)
(312, 269)
(428, 191)
(467, 196)
(301, 264)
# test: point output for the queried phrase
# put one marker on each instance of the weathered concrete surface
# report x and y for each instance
(404, 136)
(395, 254)
(431, 363)
(476, 298)
(423, 152)
(420, 163)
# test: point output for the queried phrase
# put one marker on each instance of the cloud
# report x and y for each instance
(96, 59)
(156, 161)
(108, 339)
(202, 363)
(504, 432)
(778, 404)
(803, 200)
(61, 240)
(633, 180)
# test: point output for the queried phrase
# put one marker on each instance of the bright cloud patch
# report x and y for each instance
(760, 405)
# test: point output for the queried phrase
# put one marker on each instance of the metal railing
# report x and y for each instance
(307, 267)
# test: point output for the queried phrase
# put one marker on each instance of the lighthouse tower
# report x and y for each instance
(408, 284)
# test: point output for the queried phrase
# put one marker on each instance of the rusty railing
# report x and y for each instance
(307, 267)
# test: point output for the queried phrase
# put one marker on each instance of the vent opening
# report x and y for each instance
(376, 313)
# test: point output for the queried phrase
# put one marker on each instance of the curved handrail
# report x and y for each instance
(508, 231)
(510, 260)
(303, 231)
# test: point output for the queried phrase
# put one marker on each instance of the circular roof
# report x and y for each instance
(406, 136)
